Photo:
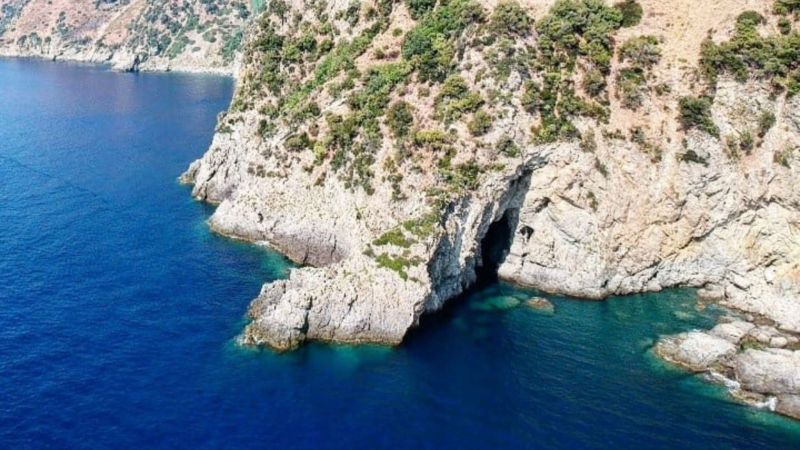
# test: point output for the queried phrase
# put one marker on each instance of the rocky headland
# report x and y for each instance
(398, 151)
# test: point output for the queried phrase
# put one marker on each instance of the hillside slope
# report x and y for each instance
(197, 35)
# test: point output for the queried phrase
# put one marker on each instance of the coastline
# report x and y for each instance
(145, 67)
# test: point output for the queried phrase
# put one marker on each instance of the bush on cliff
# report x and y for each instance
(695, 112)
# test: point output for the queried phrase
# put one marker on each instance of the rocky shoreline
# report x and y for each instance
(759, 364)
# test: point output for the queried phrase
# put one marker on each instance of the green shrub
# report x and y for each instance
(638, 55)
(430, 45)
(747, 142)
(692, 157)
(398, 264)
(480, 124)
(399, 118)
(783, 157)
(464, 177)
(765, 122)
(594, 82)
(640, 51)
(784, 25)
(297, 142)
(631, 12)
(573, 31)
(455, 99)
(510, 18)
(695, 112)
(784, 7)
(508, 147)
(631, 83)
(588, 142)
(531, 97)
(417, 8)
(435, 139)
(748, 54)
(395, 237)
(424, 226)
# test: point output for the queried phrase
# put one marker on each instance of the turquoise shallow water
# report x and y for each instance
(118, 311)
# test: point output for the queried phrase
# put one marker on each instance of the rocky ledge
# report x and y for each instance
(759, 364)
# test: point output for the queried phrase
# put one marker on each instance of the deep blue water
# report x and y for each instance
(118, 310)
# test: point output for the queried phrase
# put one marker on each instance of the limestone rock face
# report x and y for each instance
(771, 371)
(722, 224)
(788, 405)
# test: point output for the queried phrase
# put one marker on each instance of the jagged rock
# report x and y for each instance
(770, 371)
(541, 304)
(695, 350)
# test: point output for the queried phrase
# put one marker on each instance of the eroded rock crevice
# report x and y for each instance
(495, 245)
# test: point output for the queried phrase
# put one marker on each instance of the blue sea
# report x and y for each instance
(119, 311)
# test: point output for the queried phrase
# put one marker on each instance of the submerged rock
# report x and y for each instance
(541, 304)
(502, 303)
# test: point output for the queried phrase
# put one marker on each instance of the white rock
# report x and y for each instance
(732, 332)
(771, 371)
(695, 350)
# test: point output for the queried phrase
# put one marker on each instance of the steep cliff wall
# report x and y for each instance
(197, 36)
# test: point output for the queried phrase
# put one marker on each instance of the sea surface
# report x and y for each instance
(119, 311)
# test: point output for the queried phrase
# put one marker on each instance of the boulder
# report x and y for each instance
(695, 350)
(770, 371)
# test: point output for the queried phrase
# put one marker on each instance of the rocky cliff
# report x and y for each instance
(401, 150)
(195, 36)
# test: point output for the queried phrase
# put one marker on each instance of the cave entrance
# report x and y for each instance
(495, 246)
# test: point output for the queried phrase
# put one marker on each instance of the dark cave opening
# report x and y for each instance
(495, 246)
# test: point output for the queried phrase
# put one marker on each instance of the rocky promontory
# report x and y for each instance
(399, 151)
